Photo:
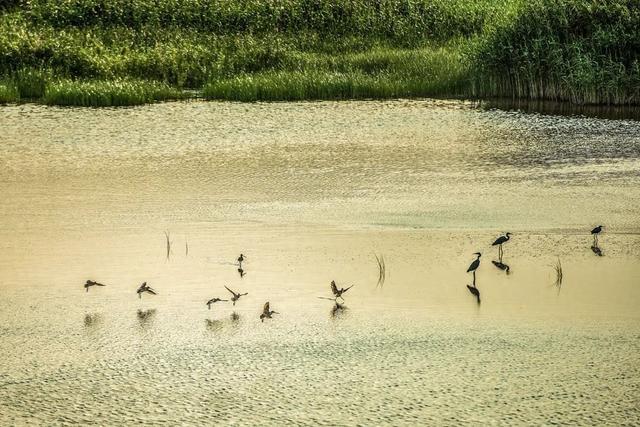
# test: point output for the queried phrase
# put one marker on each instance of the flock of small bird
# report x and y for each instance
(504, 239)
(337, 292)
(267, 313)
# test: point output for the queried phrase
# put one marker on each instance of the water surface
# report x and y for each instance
(310, 192)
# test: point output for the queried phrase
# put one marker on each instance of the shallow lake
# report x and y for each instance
(313, 192)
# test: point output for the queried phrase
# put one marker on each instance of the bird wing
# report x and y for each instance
(346, 289)
(595, 230)
(99, 284)
(498, 241)
(265, 309)
(232, 293)
(334, 288)
(151, 291)
(473, 265)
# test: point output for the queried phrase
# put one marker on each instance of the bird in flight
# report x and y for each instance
(236, 296)
(90, 283)
(266, 313)
(337, 293)
(145, 288)
(213, 301)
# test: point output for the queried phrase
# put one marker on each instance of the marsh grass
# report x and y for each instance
(8, 92)
(108, 93)
(566, 50)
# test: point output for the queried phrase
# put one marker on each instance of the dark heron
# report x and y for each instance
(214, 300)
(337, 293)
(90, 283)
(145, 288)
(266, 313)
(499, 241)
(595, 233)
(240, 259)
(236, 296)
(474, 266)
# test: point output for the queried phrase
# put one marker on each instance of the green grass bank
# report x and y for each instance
(128, 52)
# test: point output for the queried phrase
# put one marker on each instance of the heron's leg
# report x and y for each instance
(474, 278)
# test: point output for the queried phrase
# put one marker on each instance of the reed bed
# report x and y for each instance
(108, 93)
(8, 93)
(248, 50)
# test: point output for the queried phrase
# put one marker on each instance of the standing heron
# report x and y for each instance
(90, 283)
(474, 266)
(236, 296)
(337, 293)
(266, 313)
(499, 241)
(213, 301)
(240, 259)
(595, 233)
(145, 288)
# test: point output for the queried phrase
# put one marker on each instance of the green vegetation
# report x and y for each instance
(126, 52)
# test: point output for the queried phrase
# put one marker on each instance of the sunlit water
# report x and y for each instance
(311, 192)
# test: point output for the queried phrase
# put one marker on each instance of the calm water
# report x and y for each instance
(309, 192)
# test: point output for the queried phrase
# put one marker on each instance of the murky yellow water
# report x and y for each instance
(311, 192)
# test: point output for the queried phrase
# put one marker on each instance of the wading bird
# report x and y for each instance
(236, 296)
(499, 241)
(337, 293)
(474, 266)
(474, 291)
(595, 233)
(266, 313)
(240, 259)
(90, 283)
(213, 301)
(145, 288)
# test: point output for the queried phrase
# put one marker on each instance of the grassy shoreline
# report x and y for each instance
(117, 52)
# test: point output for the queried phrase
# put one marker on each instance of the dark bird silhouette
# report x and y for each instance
(240, 259)
(236, 296)
(337, 293)
(241, 272)
(475, 292)
(213, 301)
(595, 233)
(474, 266)
(266, 313)
(596, 250)
(499, 241)
(90, 283)
(145, 288)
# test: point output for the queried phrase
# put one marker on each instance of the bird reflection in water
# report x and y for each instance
(92, 319)
(502, 266)
(474, 291)
(213, 325)
(596, 249)
(145, 316)
(241, 272)
(235, 317)
(338, 310)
